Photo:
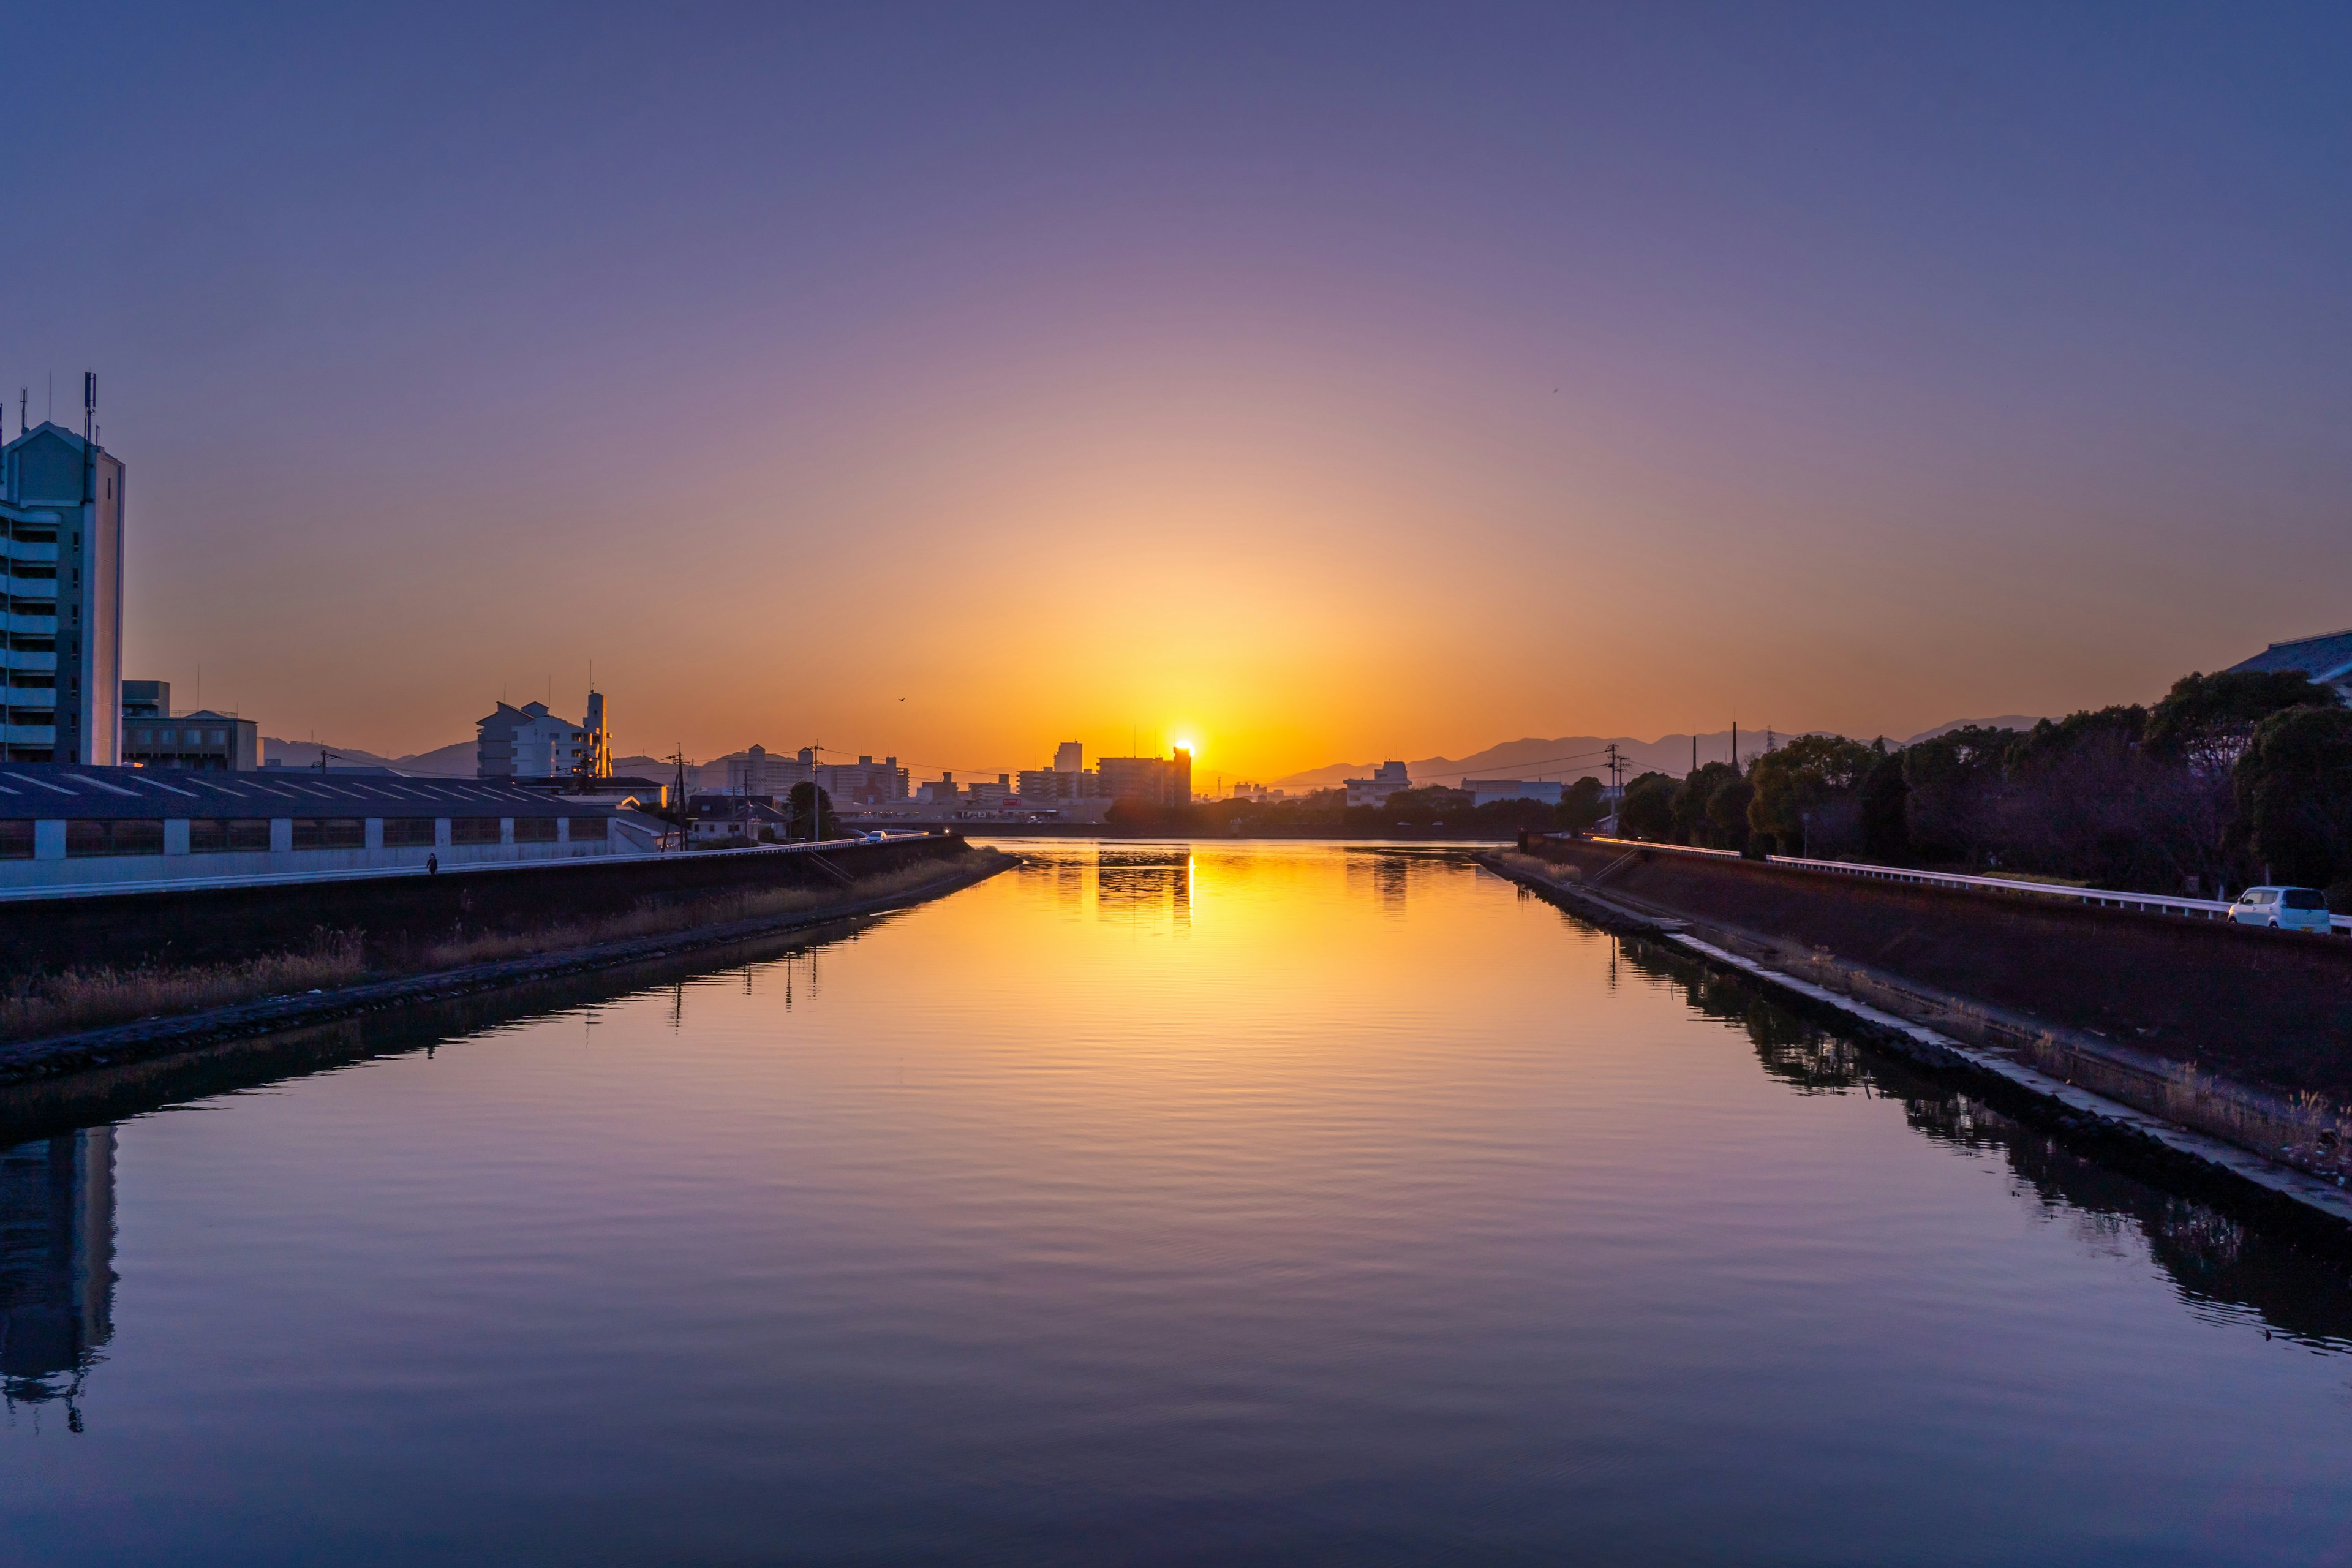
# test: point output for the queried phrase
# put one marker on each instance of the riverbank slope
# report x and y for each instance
(2108, 1017)
(104, 1017)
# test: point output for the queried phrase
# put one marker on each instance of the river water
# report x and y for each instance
(1283, 1203)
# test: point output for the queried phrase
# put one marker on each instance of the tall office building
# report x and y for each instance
(1147, 781)
(61, 502)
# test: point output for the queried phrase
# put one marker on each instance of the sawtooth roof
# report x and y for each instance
(62, 790)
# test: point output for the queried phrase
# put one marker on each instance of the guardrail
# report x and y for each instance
(2100, 898)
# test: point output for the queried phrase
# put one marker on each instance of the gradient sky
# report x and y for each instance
(1318, 383)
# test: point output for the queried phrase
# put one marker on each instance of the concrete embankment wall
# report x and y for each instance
(400, 915)
(2268, 1007)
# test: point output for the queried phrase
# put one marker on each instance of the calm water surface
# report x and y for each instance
(1277, 1204)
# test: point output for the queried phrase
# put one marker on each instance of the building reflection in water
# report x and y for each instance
(1389, 873)
(1070, 882)
(2210, 1256)
(56, 1266)
(1145, 886)
(1386, 875)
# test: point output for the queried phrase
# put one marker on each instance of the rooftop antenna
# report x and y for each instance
(89, 406)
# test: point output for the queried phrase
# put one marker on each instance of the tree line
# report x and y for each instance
(2233, 779)
(1422, 807)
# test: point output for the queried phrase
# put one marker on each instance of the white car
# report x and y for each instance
(2282, 909)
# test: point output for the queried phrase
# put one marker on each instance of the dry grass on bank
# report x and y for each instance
(76, 999)
(92, 998)
(655, 918)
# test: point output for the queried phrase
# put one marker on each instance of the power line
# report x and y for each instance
(1548, 761)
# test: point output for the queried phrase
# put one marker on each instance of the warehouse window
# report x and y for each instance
(132, 836)
(534, 829)
(220, 835)
(329, 833)
(407, 832)
(473, 830)
(15, 838)
(587, 830)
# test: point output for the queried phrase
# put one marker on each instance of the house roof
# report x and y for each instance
(54, 790)
(505, 719)
(46, 428)
(2326, 657)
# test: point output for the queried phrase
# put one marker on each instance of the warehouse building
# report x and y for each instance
(65, 829)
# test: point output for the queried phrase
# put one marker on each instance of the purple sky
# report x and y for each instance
(1310, 383)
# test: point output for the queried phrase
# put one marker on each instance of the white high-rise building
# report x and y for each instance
(61, 505)
(530, 742)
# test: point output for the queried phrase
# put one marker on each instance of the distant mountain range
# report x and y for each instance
(1573, 756)
(452, 761)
